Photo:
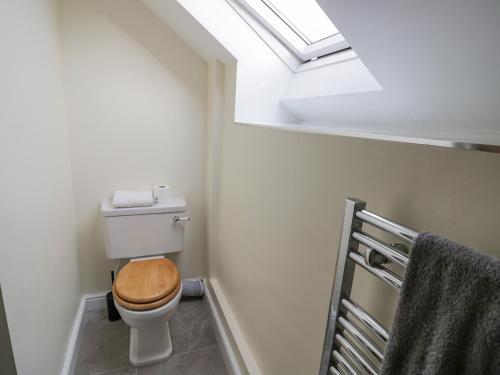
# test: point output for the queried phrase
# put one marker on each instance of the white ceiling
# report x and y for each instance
(438, 63)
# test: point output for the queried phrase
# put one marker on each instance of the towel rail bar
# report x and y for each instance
(389, 277)
(341, 303)
(391, 253)
(339, 358)
(357, 311)
(360, 337)
(341, 370)
(396, 229)
(360, 359)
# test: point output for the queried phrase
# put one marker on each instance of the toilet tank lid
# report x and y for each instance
(174, 204)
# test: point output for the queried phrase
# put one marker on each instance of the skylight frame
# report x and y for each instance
(262, 10)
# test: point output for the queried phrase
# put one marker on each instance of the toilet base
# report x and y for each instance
(150, 345)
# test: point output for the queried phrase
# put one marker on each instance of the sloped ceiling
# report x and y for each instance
(438, 63)
(176, 17)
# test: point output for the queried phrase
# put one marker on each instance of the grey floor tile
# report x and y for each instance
(201, 362)
(191, 327)
(90, 315)
(121, 371)
(104, 345)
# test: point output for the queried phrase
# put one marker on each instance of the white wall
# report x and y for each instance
(262, 77)
(38, 266)
(278, 218)
(344, 77)
(136, 102)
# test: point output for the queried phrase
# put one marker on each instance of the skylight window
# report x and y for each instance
(305, 17)
(300, 24)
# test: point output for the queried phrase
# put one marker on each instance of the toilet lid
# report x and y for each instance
(146, 281)
(146, 306)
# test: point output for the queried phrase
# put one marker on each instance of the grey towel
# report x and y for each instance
(448, 317)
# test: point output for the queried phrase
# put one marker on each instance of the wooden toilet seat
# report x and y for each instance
(146, 284)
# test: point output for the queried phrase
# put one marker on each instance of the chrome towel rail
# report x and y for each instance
(367, 319)
(391, 253)
(361, 337)
(396, 229)
(352, 351)
(352, 335)
(380, 271)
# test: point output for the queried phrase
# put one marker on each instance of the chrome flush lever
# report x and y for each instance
(184, 219)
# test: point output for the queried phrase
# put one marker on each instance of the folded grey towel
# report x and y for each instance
(448, 317)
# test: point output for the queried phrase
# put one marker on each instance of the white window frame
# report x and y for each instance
(284, 32)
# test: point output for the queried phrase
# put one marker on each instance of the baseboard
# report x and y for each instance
(88, 302)
(68, 364)
(95, 301)
(217, 298)
(222, 336)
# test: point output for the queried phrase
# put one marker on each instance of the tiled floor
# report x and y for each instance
(104, 345)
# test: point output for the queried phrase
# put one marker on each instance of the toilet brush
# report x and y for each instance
(113, 313)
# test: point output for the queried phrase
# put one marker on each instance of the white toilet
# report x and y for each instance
(147, 290)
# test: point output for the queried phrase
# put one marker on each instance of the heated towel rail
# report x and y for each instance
(354, 340)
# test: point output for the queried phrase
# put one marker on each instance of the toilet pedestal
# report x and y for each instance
(150, 338)
(150, 345)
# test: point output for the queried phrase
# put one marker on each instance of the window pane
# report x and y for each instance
(306, 18)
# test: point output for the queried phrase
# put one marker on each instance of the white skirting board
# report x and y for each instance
(68, 364)
(249, 362)
(88, 302)
(222, 337)
(97, 301)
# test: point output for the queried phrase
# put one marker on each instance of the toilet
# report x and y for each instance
(148, 288)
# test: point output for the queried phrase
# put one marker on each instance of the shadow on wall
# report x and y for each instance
(7, 364)
(145, 28)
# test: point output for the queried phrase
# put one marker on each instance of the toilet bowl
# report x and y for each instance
(146, 294)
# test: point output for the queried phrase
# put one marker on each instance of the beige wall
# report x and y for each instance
(38, 260)
(278, 221)
(136, 102)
